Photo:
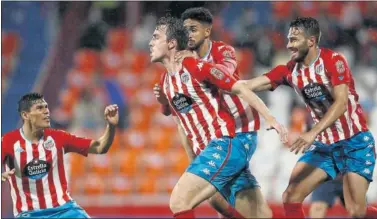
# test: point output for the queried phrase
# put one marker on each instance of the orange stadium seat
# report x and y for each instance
(87, 61)
(78, 165)
(117, 40)
(245, 59)
(121, 184)
(281, 10)
(102, 165)
(95, 185)
(147, 184)
(126, 161)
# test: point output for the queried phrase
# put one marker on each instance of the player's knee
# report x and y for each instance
(265, 212)
(292, 195)
(178, 204)
(356, 210)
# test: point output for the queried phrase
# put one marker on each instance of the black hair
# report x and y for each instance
(203, 15)
(27, 100)
(174, 30)
(309, 25)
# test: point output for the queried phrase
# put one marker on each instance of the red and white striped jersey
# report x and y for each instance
(247, 118)
(39, 181)
(315, 85)
(194, 97)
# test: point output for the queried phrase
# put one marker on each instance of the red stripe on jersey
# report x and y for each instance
(16, 190)
(345, 127)
(242, 113)
(326, 137)
(362, 120)
(191, 121)
(25, 180)
(50, 178)
(38, 182)
(354, 127)
(256, 119)
(197, 110)
(61, 171)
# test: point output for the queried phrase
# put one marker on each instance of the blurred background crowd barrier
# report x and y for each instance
(85, 55)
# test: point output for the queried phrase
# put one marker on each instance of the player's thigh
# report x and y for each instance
(318, 209)
(190, 191)
(355, 188)
(304, 179)
(219, 203)
(251, 203)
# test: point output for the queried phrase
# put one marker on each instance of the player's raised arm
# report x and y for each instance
(102, 145)
(208, 72)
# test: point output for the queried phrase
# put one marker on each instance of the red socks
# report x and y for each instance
(233, 213)
(371, 212)
(185, 214)
(294, 210)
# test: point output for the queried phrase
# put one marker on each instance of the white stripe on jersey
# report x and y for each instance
(354, 115)
(17, 164)
(32, 182)
(233, 110)
(207, 116)
(55, 172)
(45, 184)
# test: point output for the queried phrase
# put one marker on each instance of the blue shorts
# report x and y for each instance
(356, 154)
(68, 210)
(328, 191)
(225, 164)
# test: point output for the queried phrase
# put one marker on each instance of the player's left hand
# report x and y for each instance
(179, 56)
(303, 142)
(112, 114)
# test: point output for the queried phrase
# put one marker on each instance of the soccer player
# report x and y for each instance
(33, 157)
(198, 22)
(340, 141)
(192, 88)
(323, 197)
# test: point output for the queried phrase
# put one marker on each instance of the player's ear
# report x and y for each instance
(24, 115)
(207, 31)
(311, 41)
(172, 44)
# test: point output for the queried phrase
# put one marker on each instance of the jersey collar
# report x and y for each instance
(205, 58)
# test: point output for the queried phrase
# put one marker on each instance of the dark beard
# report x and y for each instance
(302, 54)
(197, 46)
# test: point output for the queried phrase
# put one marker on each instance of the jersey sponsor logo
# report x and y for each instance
(217, 73)
(36, 169)
(340, 66)
(185, 77)
(318, 97)
(49, 143)
(182, 103)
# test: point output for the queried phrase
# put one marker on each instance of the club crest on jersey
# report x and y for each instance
(36, 169)
(340, 66)
(217, 73)
(319, 69)
(49, 143)
(185, 77)
(182, 103)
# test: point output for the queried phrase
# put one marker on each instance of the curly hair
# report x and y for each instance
(200, 14)
(309, 25)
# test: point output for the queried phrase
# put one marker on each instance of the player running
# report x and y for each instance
(340, 141)
(248, 201)
(192, 89)
(34, 163)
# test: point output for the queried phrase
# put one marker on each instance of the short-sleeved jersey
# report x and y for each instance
(194, 97)
(315, 85)
(247, 118)
(39, 181)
